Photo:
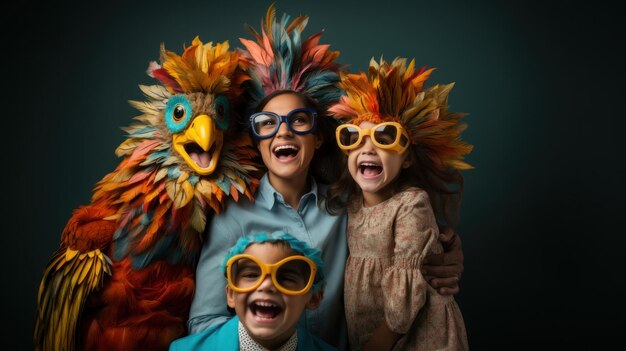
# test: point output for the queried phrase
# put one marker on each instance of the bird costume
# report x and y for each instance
(123, 277)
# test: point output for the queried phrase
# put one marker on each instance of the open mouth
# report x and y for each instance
(286, 151)
(265, 309)
(370, 169)
(203, 159)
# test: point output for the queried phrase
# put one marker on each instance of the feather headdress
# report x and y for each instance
(201, 68)
(395, 92)
(279, 60)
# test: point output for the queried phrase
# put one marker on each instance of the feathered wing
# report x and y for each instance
(70, 276)
(68, 279)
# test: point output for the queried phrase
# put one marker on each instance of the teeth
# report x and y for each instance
(266, 304)
(284, 147)
(368, 164)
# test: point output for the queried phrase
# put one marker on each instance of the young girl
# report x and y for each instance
(404, 150)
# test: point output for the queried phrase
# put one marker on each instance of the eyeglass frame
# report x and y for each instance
(285, 119)
(271, 269)
(363, 132)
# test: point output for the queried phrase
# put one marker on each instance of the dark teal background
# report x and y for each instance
(543, 85)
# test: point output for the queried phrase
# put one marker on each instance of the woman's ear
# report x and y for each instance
(315, 300)
(319, 141)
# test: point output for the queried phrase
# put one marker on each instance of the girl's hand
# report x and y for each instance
(443, 271)
(382, 339)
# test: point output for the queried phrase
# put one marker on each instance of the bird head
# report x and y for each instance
(202, 83)
(187, 144)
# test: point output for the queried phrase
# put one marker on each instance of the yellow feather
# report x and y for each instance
(98, 264)
(180, 194)
(198, 218)
(203, 186)
(156, 92)
(113, 217)
(144, 106)
(269, 19)
(161, 173)
(170, 161)
(69, 254)
(184, 175)
(86, 269)
(76, 274)
(64, 317)
(149, 119)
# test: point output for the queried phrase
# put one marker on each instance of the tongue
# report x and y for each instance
(283, 157)
(201, 159)
(371, 171)
(285, 153)
(267, 312)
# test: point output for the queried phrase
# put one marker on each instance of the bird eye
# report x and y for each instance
(178, 113)
(222, 111)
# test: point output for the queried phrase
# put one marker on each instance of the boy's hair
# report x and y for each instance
(298, 246)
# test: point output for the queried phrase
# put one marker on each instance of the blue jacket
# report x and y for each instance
(225, 337)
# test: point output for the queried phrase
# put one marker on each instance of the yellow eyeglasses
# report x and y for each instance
(387, 136)
(293, 275)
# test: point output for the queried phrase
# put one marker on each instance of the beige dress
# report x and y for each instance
(383, 282)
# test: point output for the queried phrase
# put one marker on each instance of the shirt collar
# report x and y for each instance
(246, 343)
(269, 195)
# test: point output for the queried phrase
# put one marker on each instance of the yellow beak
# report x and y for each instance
(200, 145)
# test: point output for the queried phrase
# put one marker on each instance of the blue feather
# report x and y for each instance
(158, 157)
(224, 185)
(173, 173)
(145, 132)
(159, 251)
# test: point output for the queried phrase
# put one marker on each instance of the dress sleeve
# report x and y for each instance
(209, 307)
(404, 287)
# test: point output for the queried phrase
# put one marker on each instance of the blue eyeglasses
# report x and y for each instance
(299, 121)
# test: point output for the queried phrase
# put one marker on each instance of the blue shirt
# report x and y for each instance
(225, 337)
(269, 213)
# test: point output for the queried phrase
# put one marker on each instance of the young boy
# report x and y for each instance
(272, 278)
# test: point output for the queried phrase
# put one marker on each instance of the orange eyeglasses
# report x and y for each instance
(387, 136)
(293, 275)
